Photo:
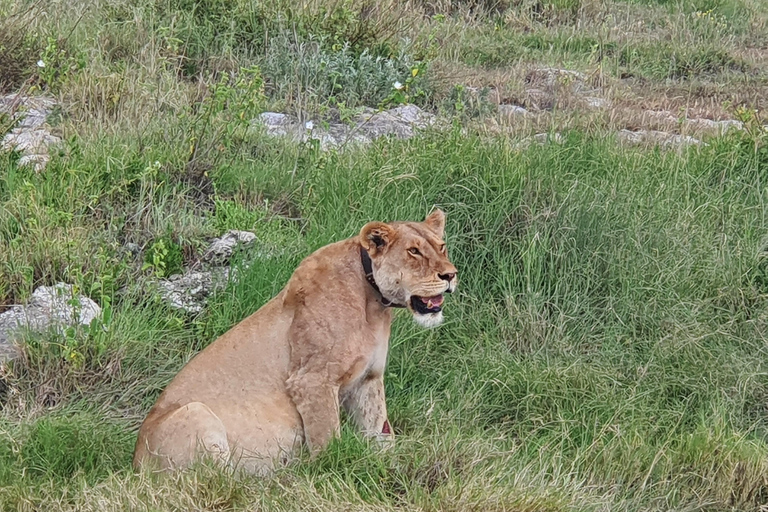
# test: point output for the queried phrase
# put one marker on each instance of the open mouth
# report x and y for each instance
(424, 305)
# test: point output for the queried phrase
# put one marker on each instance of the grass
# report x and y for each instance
(607, 347)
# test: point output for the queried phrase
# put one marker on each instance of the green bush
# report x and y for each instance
(305, 74)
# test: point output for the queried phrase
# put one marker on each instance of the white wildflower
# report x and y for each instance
(397, 85)
(309, 125)
(40, 64)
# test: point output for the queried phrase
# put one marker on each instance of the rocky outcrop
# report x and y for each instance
(401, 122)
(222, 249)
(190, 291)
(695, 123)
(654, 137)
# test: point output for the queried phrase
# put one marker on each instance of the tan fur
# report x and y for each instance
(277, 379)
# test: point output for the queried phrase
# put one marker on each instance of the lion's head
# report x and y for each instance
(410, 264)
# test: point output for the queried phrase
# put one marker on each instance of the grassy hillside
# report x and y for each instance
(608, 347)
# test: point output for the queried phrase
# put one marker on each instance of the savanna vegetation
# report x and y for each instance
(608, 345)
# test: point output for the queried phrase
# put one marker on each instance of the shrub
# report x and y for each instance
(305, 73)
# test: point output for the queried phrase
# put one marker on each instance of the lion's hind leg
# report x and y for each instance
(181, 436)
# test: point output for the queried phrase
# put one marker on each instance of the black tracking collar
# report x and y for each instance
(368, 269)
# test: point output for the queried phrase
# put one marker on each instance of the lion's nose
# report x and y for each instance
(447, 276)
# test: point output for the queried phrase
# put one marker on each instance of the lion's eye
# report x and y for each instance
(414, 251)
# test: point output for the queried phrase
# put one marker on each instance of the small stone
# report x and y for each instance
(278, 125)
(37, 162)
(544, 138)
(222, 249)
(274, 119)
(660, 115)
(132, 248)
(402, 122)
(510, 112)
(29, 137)
(541, 139)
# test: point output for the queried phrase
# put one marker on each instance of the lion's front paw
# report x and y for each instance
(386, 438)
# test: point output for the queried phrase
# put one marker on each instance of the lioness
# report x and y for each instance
(277, 378)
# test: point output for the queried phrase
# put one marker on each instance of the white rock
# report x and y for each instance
(402, 122)
(34, 141)
(221, 249)
(540, 139)
(699, 123)
(190, 291)
(274, 119)
(278, 124)
(38, 162)
(661, 115)
(30, 136)
(50, 307)
(597, 102)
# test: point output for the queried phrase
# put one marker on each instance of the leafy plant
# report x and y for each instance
(223, 116)
(304, 74)
(57, 63)
(468, 104)
(408, 91)
(164, 257)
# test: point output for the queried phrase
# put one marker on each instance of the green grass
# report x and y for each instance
(607, 347)
(607, 344)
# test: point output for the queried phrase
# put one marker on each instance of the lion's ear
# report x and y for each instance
(436, 222)
(375, 236)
